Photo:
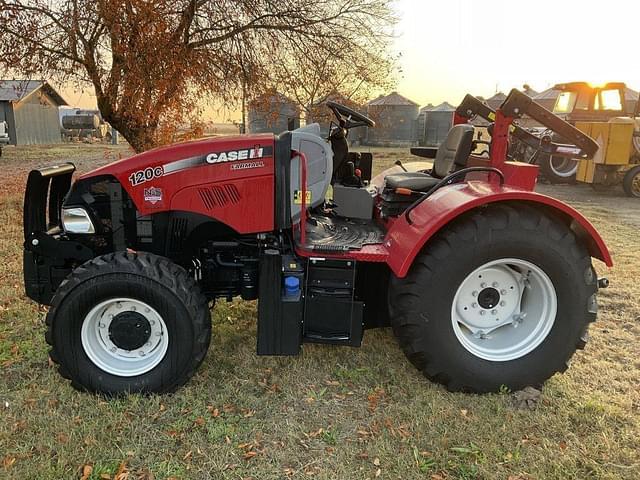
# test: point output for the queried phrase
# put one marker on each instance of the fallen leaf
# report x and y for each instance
(8, 461)
(376, 462)
(199, 421)
(86, 472)
(250, 454)
(378, 472)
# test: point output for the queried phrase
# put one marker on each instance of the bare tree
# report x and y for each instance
(153, 63)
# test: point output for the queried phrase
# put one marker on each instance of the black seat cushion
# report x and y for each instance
(418, 181)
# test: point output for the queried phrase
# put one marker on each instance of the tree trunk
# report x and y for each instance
(139, 137)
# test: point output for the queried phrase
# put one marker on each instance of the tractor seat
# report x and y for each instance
(418, 181)
(452, 155)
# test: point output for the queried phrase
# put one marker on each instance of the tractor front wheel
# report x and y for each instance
(128, 322)
(501, 298)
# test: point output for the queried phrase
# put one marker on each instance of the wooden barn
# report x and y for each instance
(396, 120)
(30, 108)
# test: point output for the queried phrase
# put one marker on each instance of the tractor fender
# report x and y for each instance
(404, 240)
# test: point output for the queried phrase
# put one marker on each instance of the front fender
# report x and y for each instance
(404, 240)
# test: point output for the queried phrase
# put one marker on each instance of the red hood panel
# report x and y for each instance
(230, 179)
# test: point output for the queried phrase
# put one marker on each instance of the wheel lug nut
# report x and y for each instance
(494, 284)
(474, 305)
(142, 354)
(483, 285)
(118, 305)
(152, 322)
(482, 312)
(133, 309)
(147, 310)
(101, 325)
(474, 293)
(503, 303)
(503, 292)
(114, 349)
(494, 311)
(110, 316)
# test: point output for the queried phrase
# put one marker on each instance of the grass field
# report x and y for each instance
(331, 413)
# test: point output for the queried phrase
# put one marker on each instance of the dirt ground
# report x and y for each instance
(331, 413)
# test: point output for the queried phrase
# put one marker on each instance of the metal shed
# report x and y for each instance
(396, 120)
(272, 113)
(436, 123)
(30, 108)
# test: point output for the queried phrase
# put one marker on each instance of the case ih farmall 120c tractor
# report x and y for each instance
(485, 283)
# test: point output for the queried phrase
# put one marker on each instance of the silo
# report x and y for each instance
(272, 113)
(396, 119)
(438, 122)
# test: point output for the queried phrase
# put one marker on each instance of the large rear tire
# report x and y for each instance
(128, 322)
(502, 297)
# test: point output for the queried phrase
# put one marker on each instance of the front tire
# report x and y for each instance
(509, 251)
(128, 322)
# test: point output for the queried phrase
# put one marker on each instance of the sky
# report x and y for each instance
(449, 48)
(453, 47)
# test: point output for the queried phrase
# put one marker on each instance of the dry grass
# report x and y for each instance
(331, 413)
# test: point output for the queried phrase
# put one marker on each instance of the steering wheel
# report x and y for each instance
(349, 118)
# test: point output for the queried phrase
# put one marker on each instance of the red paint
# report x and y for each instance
(404, 241)
(459, 119)
(249, 194)
(253, 213)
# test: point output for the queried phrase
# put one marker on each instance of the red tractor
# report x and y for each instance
(486, 283)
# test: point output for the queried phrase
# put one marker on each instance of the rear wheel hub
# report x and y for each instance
(489, 298)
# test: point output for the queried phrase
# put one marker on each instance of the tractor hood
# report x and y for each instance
(210, 150)
(228, 179)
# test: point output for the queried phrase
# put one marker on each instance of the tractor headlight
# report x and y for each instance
(77, 220)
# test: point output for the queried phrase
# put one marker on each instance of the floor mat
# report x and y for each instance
(335, 234)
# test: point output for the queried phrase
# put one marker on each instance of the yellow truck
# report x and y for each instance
(603, 113)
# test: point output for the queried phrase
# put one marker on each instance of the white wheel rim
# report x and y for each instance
(563, 167)
(504, 309)
(102, 348)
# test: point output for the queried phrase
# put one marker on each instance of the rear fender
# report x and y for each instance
(404, 240)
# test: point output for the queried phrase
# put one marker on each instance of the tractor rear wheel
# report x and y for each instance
(128, 322)
(501, 298)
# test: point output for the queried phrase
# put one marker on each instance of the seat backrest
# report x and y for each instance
(454, 152)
